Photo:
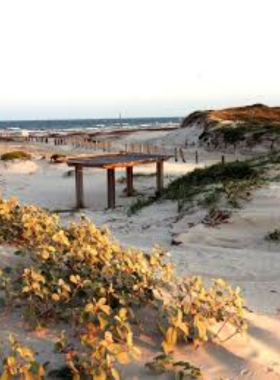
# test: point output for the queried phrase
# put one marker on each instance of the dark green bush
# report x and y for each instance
(273, 236)
(233, 135)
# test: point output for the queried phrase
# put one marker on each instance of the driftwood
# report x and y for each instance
(216, 217)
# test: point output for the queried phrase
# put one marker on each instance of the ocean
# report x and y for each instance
(81, 124)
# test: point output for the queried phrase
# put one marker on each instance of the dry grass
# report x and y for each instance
(248, 113)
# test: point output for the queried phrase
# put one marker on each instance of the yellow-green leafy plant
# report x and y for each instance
(195, 311)
(76, 263)
(80, 274)
(106, 341)
(20, 363)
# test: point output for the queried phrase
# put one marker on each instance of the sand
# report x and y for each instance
(235, 251)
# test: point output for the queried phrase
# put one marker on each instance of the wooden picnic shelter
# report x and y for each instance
(111, 162)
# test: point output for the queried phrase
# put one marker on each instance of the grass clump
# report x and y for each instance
(79, 273)
(212, 179)
(252, 130)
(266, 161)
(233, 135)
(218, 173)
(236, 191)
(273, 236)
(140, 203)
(16, 155)
(206, 186)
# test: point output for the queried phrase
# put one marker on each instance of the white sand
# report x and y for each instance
(235, 251)
(17, 167)
(179, 137)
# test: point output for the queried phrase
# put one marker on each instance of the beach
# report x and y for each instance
(235, 251)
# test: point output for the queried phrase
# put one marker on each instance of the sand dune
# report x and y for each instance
(235, 251)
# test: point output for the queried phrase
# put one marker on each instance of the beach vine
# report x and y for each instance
(79, 274)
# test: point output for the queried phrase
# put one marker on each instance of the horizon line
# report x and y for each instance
(90, 118)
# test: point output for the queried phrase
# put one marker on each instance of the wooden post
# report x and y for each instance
(223, 159)
(196, 157)
(182, 154)
(129, 181)
(159, 177)
(111, 188)
(176, 155)
(79, 186)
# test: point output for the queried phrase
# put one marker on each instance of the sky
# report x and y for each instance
(99, 58)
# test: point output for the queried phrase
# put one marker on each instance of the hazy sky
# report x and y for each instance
(96, 58)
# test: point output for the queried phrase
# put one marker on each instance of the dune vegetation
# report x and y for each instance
(80, 274)
(229, 182)
(250, 125)
(16, 155)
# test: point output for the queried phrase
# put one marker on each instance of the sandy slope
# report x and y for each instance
(235, 251)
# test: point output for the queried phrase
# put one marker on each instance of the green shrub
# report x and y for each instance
(250, 129)
(236, 191)
(233, 135)
(16, 155)
(140, 203)
(234, 179)
(273, 236)
(206, 186)
(195, 182)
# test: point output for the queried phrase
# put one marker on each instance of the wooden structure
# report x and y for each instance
(111, 162)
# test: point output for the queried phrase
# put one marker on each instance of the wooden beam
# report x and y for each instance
(111, 183)
(86, 163)
(129, 181)
(79, 186)
(113, 160)
(160, 176)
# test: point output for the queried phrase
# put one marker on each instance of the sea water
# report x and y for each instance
(82, 124)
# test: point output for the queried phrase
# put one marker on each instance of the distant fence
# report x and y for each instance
(89, 143)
